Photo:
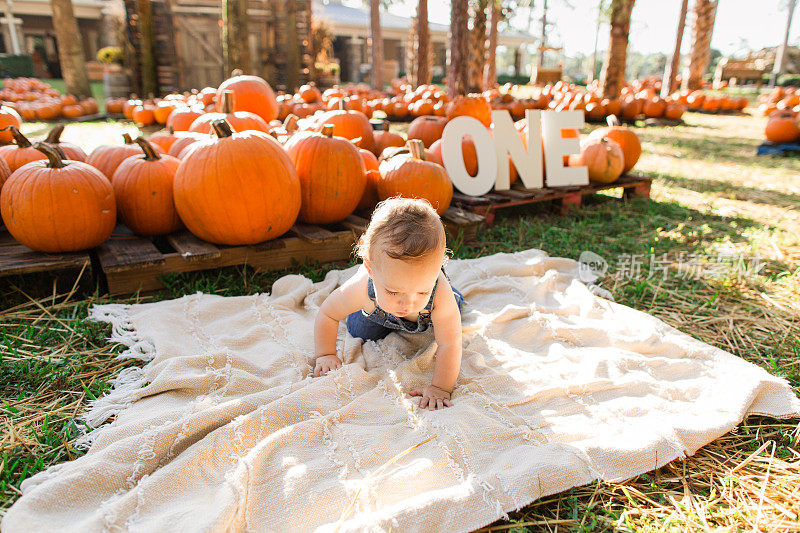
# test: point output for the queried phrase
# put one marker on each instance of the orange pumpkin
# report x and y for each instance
(782, 129)
(625, 138)
(309, 93)
(239, 120)
(163, 139)
(409, 175)
(350, 125)
(5, 172)
(143, 191)
(427, 129)
(468, 152)
(240, 188)
(370, 197)
(252, 94)
(106, 158)
(472, 106)
(58, 206)
(384, 138)
(184, 140)
(181, 118)
(8, 117)
(332, 176)
(674, 111)
(654, 107)
(144, 115)
(370, 161)
(602, 157)
(72, 151)
(21, 153)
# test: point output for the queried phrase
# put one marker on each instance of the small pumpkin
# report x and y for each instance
(370, 197)
(427, 129)
(8, 117)
(240, 188)
(106, 158)
(625, 138)
(5, 172)
(782, 129)
(56, 206)
(409, 175)
(21, 153)
(239, 120)
(385, 138)
(332, 176)
(602, 157)
(143, 191)
(72, 151)
(350, 125)
(468, 152)
(185, 139)
(181, 118)
(471, 105)
(252, 94)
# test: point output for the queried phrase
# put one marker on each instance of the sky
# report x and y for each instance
(740, 24)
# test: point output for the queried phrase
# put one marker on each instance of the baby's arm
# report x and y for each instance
(446, 320)
(342, 301)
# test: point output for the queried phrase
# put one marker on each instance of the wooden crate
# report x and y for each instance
(568, 197)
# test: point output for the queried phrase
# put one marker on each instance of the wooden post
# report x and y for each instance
(612, 78)
(70, 49)
(235, 36)
(424, 44)
(146, 48)
(376, 44)
(668, 83)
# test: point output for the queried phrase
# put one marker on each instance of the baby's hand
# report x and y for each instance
(325, 363)
(432, 397)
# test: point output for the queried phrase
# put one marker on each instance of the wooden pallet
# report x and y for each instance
(569, 198)
(18, 259)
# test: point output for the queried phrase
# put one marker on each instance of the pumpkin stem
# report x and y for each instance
(357, 141)
(612, 120)
(127, 138)
(290, 124)
(327, 130)
(417, 149)
(150, 153)
(54, 137)
(227, 102)
(55, 157)
(342, 106)
(171, 130)
(222, 128)
(19, 138)
(236, 72)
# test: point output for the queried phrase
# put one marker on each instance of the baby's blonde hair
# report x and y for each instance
(403, 228)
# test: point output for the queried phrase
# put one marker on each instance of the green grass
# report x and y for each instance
(711, 193)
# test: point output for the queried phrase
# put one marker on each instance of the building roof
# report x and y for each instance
(342, 17)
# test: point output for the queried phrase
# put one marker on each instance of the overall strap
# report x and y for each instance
(371, 290)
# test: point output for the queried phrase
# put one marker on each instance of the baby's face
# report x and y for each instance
(404, 287)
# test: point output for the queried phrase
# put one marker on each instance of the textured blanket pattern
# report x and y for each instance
(224, 429)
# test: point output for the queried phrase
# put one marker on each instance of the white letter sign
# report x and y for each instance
(507, 142)
(453, 158)
(555, 147)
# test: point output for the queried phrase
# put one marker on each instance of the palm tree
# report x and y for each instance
(612, 78)
(669, 83)
(70, 49)
(490, 71)
(377, 44)
(458, 71)
(705, 12)
(423, 73)
(235, 45)
(780, 57)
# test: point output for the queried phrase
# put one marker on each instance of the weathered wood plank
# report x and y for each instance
(310, 233)
(355, 223)
(191, 248)
(19, 259)
(126, 251)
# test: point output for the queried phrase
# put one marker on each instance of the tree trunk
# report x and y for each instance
(147, 60)
(490, 72)
(376, 76)
(411, 52)
(612, 78)
(780, 56)
(543, 39)
(292, 48)
(70, 49)
(669, 83)
(593, 73)
(705, 11)
(477, 49)
(458, 70)
(235, 45)
(423, 44)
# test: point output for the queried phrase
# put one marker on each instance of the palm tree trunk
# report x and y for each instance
(477, 47)
(490, 72)
(458, 71)
(70, 49)
(235, 35)
(668, 84)
(705, 11)
(376, 39)
(780, 56)
(612, 78)
(423, 44)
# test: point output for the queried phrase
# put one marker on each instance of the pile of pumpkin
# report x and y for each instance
(780, 101)
(33, 99)
(239, 176)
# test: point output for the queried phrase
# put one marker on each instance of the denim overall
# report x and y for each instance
(379, 323)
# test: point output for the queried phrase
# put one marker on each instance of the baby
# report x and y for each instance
(401, 286)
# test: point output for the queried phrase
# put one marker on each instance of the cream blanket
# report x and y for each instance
(225, 430)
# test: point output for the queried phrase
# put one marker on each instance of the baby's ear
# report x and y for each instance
(368, 266)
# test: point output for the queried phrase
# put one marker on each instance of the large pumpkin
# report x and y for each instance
(5, 172)
(332, 176)
(106, 158)
(472, 106)
(143, 190)
(351, 125)
(427, 129)
(782, 129)
(625, 138)
(72, 151)
(252, 94)
(239, 120)
(240, 188)
(409, 175)
(602, 157)
(58, 206)
(21, 153)
(8, 117)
